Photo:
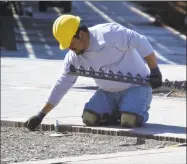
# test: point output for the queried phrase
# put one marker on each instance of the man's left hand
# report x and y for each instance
(155, 78)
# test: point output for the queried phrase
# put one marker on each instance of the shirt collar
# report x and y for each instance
(96, 41)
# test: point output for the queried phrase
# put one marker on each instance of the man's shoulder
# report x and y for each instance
(70, 56)
(106, 27)
(106, 32)
(98, 26)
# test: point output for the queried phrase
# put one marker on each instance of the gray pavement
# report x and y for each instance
(28, 74)
(155, 156)
(25, 88)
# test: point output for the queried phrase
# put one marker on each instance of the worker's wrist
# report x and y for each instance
(153, 65)
(47, 108)
(41, 115)
(155, 69)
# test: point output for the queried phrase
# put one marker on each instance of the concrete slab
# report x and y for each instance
(166, 156)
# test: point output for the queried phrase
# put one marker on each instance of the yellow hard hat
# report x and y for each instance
(64, 28)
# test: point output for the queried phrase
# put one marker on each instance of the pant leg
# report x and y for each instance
(137, 100)
(101, 103)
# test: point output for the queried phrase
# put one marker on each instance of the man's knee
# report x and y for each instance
(90, 118)
(131, 120)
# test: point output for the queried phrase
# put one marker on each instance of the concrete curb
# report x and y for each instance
(95, 130)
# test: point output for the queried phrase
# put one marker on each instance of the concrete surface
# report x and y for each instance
(164, 156)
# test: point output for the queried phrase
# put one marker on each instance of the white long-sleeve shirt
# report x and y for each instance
(112, 46)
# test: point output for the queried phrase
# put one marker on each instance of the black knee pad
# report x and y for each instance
(131, 120)
(90, 118)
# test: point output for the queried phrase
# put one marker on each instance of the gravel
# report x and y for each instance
(20, 144)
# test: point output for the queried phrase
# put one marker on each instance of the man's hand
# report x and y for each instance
(34, 121)
(155, 78)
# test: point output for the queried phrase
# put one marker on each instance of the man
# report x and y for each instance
(107, 46)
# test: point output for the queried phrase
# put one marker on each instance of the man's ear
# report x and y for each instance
(81, 35)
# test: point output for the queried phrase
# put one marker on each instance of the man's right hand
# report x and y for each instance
(155, 78)
(34, 121)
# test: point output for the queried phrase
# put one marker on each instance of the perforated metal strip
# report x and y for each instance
(128, 78)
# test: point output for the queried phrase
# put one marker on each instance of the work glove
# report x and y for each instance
(34, 121)
(155, 78)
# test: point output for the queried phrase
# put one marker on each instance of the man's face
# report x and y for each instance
(77, 45)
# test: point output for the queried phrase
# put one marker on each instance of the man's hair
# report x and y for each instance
(81, 28)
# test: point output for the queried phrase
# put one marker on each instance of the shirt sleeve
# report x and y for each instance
(64, 82)
(126, 39)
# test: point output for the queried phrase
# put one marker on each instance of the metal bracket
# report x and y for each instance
(119, 77)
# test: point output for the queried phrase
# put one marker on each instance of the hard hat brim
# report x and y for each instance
(61, 47)
(66, 45)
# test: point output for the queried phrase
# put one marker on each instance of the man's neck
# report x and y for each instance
(87, 40)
